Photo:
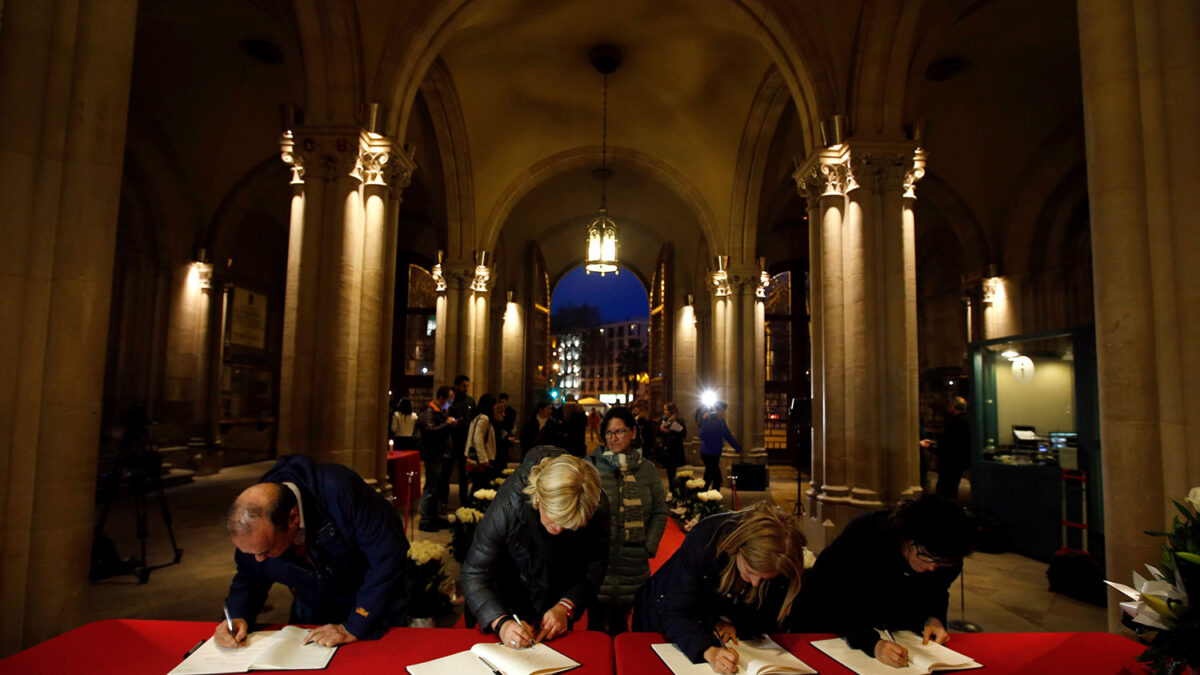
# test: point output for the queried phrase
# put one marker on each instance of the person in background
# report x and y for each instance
(888, 570)
(735, 575)
(646, 430)
(952, 449)
(540, 429)
(594, 427)
(713, 435)
(463, 408)
(404, 422)
(435, 424)
(507, 425)
(325, 534)
(541, 550)
(574, 427)
(671, 433)
(481, 446)
(638, 516)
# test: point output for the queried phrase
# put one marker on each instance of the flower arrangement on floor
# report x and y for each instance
(428, 585)
(463, 522)
(483, 498)
(678, 485)
(1162, 613)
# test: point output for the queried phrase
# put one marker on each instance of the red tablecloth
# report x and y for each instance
(129, 647)
(400, 463)
(1053, 653)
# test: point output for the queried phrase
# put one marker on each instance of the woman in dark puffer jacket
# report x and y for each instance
(540, 550)
(639, 514)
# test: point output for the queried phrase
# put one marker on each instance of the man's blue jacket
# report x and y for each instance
(353, 573)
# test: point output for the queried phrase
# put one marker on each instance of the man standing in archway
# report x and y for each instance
(953, 449)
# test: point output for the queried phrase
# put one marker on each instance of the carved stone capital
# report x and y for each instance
(884, 167)
(827, 172)
(374, 161)
(321, 153)
(287, 152)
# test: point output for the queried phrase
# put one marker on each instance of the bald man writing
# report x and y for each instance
(336, 543)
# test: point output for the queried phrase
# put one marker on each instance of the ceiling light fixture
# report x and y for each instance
(602, 231)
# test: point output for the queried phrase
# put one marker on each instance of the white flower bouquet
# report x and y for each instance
(427, 584)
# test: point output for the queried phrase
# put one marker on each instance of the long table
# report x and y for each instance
(131, 647)
(1092, 653)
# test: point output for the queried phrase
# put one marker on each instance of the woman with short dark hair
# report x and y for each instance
(888, 570)
(639, 515)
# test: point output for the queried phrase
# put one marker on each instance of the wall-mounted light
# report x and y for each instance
(508, 296)
(482, 274)
(438, 279)
(720, 276)
(201, 272)
(764, 279)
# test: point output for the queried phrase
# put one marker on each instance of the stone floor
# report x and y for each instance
(1004, 593)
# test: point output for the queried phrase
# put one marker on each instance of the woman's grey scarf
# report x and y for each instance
(627, 465)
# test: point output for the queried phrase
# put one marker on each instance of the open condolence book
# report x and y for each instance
(491, 658)
(264, 650)
(760, 656)
(924, 658)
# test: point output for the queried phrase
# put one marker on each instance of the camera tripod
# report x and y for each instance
(137, 473)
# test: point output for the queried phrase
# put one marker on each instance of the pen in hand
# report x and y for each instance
(521, 624)
(888, 635)
(229, 625)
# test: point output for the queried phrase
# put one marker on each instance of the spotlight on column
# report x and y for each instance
(833, 131)
(375, 119)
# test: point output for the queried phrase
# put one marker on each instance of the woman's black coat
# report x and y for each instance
(515, 567)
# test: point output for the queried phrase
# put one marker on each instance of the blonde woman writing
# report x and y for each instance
(541, 550)
(735, 574)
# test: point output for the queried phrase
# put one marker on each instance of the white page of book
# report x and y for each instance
(210, 658)
(462, 663)
(539, 658)
(864, 664)
(928, 656)
(759, 655)
(287, 651)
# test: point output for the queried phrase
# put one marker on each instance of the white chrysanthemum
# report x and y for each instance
(508, 472)
(497, 481)
(450, 518)
(709, 496)
(695, 483)
(422, 551)
(467, 515)
(487, 495)
(1194, 498)
(684, 473)
(810, 558)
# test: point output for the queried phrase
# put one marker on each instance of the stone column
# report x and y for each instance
(1140, 66)
(864, 307)
(334, 398)
(816, 351)
(64, 93)
(186, 368)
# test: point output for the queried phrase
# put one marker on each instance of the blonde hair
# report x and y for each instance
(566, 489)
(770, 541)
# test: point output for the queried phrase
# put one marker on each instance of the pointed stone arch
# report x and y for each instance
(588, 156)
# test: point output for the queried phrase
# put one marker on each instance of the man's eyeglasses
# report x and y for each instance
(614, 433)
(924, 556)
